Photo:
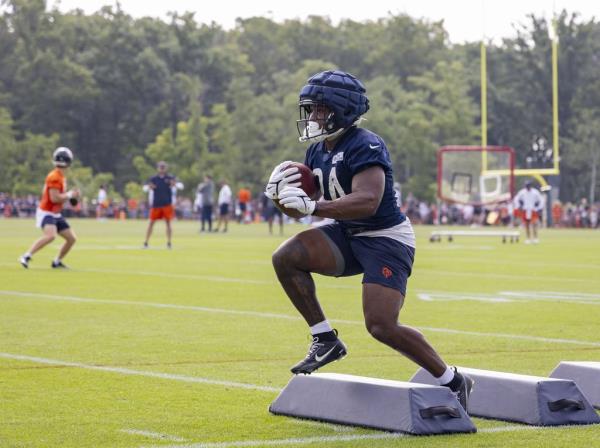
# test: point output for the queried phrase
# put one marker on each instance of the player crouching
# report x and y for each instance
(370, 235)
(48, 215)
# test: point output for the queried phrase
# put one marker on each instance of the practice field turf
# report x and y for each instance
(188, 347)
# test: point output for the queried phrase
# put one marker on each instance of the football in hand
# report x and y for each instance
(308, 182)
(73, 201)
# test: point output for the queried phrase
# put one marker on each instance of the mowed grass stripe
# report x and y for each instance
(125, 371)
(418, 272)
(284, 316)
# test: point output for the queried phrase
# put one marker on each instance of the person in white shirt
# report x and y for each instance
(102, 203)
(224, 202)
(528, 203)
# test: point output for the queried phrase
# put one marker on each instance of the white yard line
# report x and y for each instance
(153, 435)
(283, 316)
(125, 371)
(424, 272)
(511, 297)
(346, 438)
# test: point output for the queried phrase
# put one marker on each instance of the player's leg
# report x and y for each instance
(534, 227)
(149, 231)
(388, 264)
(280, 218)
(381, 307)
(225, 217)
(169, 232)
(219, 219)
(294, 261)
(209, 217)
(203, 218)
(270, 222)
(527, 230)
(69, 236)
(49, 234)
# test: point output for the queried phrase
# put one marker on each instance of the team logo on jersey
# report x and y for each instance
(386, 272)
(337, 158)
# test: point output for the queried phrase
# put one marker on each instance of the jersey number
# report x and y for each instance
(335, 188)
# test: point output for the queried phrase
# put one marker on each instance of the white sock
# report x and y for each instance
(27, 255)
(446, 377)
(57, 260)
(321, 327)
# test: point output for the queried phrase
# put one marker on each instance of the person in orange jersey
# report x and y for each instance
(48, 215)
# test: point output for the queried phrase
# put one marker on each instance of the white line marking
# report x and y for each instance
(293, 441)
(153, 435)
(287, 317)
(487, 275)
(349, 438)
(529, 263)
(124, 371)
(511, 296)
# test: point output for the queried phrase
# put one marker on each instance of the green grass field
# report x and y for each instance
(188, 347)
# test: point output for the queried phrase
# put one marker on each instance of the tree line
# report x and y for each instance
(124, 93)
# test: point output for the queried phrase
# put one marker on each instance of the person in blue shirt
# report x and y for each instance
(160, 196)
(370, 235)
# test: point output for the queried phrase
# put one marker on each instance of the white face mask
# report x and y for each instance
(313, 132)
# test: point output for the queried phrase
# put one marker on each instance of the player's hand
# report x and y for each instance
(297, 199)
(280, 179)
(75, 193)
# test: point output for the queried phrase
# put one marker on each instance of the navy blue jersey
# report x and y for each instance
(162, 194)
(355, 151)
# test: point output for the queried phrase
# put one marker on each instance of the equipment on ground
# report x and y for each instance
(523, 398)
(507, 235)
(585, 373)
(373, 403)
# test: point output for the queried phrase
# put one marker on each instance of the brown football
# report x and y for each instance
(309, 183)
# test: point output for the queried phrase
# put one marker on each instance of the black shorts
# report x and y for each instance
(223, 209)
(382, 260)
(60, 223)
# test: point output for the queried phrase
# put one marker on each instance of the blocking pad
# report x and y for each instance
(523, 398)
(373, 403)
(586, 374)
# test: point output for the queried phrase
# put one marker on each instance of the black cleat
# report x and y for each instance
(24, 260)
(169, 245)
(463, 388)
(58, 265)
(145, 246)
(319, 354)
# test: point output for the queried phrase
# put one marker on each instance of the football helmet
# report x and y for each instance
(62, 157)
(342, 93)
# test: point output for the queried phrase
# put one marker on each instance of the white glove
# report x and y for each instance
(296, 198)
(280, 179)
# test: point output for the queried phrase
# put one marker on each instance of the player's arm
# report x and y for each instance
(58, 198)
(367, 190)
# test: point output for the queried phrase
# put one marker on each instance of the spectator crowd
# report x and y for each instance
(246, 208)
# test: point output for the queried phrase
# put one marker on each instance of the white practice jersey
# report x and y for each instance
(529, 200)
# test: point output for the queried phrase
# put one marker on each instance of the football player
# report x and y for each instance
(160, 189)
(529, 203)
(48, 215)
(370, 235)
